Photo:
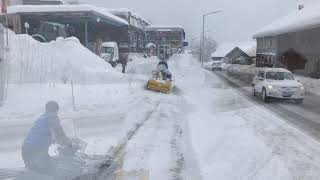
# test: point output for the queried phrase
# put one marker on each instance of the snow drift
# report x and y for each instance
(62, 60)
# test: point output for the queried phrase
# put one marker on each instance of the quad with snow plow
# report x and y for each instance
(160, 82)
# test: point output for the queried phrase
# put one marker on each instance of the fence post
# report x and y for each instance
(2, 66)
(72, 92)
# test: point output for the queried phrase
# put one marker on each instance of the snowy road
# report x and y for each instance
(304, 116)
(207, 129)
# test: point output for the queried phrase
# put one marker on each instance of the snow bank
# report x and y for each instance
(57, 61)
(312, 84)
(144, 66)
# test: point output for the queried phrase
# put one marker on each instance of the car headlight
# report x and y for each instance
(301, 88)
(270, 87)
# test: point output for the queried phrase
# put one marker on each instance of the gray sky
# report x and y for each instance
(239, 20)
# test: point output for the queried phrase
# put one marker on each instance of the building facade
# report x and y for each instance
(136, 30)
(293, 44)
(238, 56)
(169, 39)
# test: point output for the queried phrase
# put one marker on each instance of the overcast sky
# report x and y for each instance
(238, 21)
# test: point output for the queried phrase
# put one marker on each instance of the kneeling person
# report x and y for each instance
(40, 137)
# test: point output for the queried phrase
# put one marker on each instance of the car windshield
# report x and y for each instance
(107, 50)
(279, 76)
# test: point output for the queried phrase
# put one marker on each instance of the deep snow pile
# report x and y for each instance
(57, 61)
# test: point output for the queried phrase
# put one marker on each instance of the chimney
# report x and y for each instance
(301, 6)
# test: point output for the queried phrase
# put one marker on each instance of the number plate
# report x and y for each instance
(287, 94)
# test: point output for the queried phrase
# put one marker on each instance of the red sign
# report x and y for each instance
(4, 6)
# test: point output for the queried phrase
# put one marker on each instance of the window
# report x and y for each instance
(279, 76)
(261, 74)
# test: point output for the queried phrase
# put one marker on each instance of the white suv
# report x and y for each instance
(277, 83)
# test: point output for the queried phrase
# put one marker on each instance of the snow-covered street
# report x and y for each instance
(205, 129)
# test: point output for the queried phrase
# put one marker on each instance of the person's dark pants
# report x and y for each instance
(38, 160)
(123, 68)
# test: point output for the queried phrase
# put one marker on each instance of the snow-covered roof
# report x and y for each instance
(275, 70)
(164, 27)
(126, 11)
(298, 20)
(223, 49)
(149, 45)
(66, 8)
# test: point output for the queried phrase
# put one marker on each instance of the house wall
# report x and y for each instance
(266, 51)
(306, 43)
(174, 38)
(136, 33)
(238, 53)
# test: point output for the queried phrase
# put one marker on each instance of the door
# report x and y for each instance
(164, 52)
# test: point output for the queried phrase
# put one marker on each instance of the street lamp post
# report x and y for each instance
(202, 39)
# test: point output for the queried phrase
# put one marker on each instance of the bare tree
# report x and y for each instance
(209, 47)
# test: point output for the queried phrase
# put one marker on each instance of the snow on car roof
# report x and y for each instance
(125, 11)
(224, 48)
(65, 8)
(109, 44)
(276, 70)
(298, 20)
(164, 27)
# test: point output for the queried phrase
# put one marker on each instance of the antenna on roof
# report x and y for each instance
(301, 6)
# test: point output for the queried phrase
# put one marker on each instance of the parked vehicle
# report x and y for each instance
(49, 31)
(277, 83)
(217, 65)
(110, 53)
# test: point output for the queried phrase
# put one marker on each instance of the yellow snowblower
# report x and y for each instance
(158, 83)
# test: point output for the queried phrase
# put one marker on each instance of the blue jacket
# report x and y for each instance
(44, 129)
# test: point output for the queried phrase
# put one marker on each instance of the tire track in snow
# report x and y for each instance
(177, 153)
(106, 170)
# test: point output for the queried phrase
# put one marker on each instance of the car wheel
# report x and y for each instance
(264, 96)
(298, 101)
(254, 93)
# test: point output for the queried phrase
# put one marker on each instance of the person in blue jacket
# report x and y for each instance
(35, 147)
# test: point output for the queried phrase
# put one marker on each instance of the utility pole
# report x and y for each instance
(202, 34)
(3, 54)
(2, 69)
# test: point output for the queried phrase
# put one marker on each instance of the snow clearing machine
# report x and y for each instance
(161, 79)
